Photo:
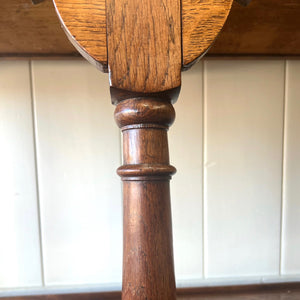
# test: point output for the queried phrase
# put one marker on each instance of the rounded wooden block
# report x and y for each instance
(202, 20)
(84, 22)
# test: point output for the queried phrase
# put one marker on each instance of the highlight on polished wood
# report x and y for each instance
(201, 23)
(146, 55)
(146, 48)
(262, 28)
(148, 267)
(195, 23)
(84, 22)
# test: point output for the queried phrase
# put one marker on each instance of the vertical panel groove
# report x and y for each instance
(34, 127)
(243, 167)
(78, 151)
(290, 264)
(186, 185)
(19, 249)
(285, 99)
(204, 107)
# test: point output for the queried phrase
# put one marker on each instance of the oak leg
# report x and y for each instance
(148, 268)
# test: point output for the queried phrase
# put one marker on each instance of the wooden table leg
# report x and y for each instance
(148, 268)
(144, 44)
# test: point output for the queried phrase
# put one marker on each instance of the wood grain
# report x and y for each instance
(144, 44)
(262, 28)
(84, 22)
(201, 23)
(27, 30)
(148, 268)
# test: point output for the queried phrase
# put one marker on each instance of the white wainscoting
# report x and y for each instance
(235, 197)
(243, 167)
(185, 145)
(20, 261)
(291, 183)
(78, 151)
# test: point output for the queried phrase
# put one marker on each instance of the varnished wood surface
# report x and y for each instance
(144, 44)
(31, 30)
(144, 60)
(144, 56)
(84, 22)
(148, 267)
(201, 23)
(262, 28)
(282, 291)
(148, 270)
(261, 296)
(136, 28)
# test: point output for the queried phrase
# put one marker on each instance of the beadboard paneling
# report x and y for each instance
(291, 204)
(20, 262)
(78, 151)
(233, 111)
(243, 167)
(185, 138)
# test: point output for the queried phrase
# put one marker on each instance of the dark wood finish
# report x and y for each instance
(282, 291)
(144, 58)
(146, 49)
(148, 268)
(31, 30)
(251, 289)
(80, 296)
(144, 61)
(36, 1)
(263, 28)
(243, 2)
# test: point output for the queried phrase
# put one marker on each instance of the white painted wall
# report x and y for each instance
(235, 197)
(243, 132)
(290, 264)
(20, 260)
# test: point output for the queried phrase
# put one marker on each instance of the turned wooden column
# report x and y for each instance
(144, 45)
(148, 268)
(144, 59)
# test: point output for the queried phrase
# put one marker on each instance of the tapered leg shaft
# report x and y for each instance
(148, 269)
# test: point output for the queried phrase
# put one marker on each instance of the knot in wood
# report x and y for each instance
(144, 112)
